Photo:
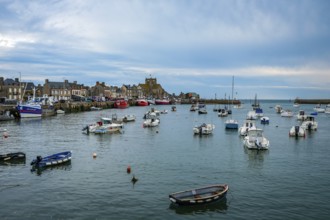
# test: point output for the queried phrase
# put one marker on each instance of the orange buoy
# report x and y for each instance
(128, 169)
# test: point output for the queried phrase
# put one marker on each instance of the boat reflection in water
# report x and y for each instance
(217, 206)
(66, 166)
(13, 162)
(256, 157)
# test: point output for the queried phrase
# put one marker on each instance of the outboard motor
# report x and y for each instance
(309, 127)
(296, 129)
(36, 161)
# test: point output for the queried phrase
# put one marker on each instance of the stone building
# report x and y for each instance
(63, 90)
(152, 89)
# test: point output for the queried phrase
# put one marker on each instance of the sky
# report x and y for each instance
(277, 49)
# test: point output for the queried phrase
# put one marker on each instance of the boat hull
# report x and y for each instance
(199, 196)
(121, 104)
(162, 102)
(12, 156)
(142, 103)
(52, 160)
(29, 111)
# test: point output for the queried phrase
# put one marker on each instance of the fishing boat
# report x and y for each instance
(52, 160)
(204, 129)
(30, 109)
(12, 156)
(121, 103)
(297, 131)
(201, 195)
(104, 125)
(162, 101)
(309, 123)
(246, 126)
(142, 102)
(255, 140)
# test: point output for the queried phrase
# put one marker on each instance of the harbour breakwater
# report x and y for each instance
(312, 101)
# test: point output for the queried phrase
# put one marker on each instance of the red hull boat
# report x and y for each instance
(121, 104)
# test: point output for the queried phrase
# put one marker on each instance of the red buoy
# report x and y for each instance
(129, 169)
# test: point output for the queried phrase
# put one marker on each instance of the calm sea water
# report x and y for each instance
(289, 181)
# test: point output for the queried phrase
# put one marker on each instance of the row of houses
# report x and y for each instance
(13, 89)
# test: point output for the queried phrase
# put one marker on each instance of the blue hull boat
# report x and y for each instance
(52, 160)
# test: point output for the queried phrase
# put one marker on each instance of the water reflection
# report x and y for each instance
(255, 157)
(14, 162)
(218, 207)
(38, 171)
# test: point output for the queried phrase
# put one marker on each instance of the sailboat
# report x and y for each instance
(232, 123)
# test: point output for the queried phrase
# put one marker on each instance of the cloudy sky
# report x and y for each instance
(276, 49)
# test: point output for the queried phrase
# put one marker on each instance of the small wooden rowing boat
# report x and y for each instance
(12, 156)
(200, 195)
(52, 160)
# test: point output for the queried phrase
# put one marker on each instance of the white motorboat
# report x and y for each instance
(264, 120)
(251, 115)
(105, 125)
(194, 107)
(286, 113)
(152, 121)
(255, 140)
(202, 111)
(296, 105)
(309, 123)
(222, 113)
(204, 129)
(129, 118)
(60, 111)
(246, 126)
(327, 109)
(278, 109)
(164, 111)
(318, 109)
(301, 116)
(297, 131)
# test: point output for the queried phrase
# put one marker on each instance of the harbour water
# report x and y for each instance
(289, 181)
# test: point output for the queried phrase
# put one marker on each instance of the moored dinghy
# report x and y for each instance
(201, 195)
(52, 160)
(12, 156)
